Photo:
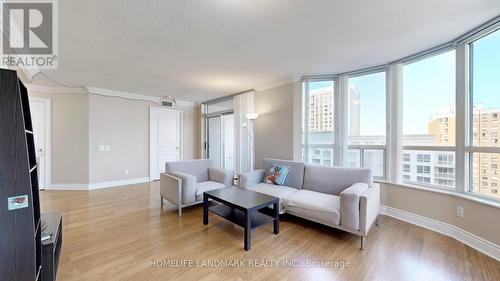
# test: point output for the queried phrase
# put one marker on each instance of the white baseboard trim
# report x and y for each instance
(67, 186)
(106, 184)
(472, 240)
(97, 185)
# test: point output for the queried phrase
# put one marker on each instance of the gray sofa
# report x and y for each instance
(184, 182)
(344, 198)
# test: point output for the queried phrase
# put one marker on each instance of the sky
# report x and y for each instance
(428, 87)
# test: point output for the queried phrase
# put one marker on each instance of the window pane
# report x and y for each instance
(486, 90)
(354, 158)
(321, 156)
(435, 168)
(374, 159)
(321, 113)
(485, 174)
(429, 101)
(367, 109)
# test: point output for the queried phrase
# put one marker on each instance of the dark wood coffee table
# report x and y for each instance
(242, 207)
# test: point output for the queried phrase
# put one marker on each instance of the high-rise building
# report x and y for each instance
(484, 168)
(321, 110)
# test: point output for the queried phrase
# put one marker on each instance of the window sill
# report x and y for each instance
(468, 196)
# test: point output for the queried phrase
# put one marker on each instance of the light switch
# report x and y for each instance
(101, 148)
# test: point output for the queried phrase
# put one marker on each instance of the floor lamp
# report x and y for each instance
(249, 128)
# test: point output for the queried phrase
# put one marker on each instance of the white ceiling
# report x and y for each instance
(200, 50)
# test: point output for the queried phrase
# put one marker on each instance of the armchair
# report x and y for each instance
(184, 182)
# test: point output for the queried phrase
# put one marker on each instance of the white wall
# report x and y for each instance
(69, 135)
(124, 126)
(81, 121)
(275, 125)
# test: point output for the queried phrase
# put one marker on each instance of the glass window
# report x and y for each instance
(429, 101)
(437, 166)
(485, 96)
(485, 57)
(375, 160)
(318, 121)
(367, 109)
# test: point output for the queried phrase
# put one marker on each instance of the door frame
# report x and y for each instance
(219, 114)
(48, 151)
(153, 133)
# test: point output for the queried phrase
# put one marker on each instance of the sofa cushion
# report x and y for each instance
(207, 186)
(295, 177)
(197, 168)
(333, 180)
(315, 206)
(280, 191)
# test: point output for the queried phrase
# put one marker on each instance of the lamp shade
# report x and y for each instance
(252, 116)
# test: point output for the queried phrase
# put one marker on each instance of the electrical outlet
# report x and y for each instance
(108, 147)
(101, 148)
(460, 212)
(126, 171)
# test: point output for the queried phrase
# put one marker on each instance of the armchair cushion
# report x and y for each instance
(252, 178)
(207, 186)
(349, 205)
(221, 176)
(188, 186)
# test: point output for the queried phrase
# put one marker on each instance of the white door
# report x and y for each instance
(40, 109)
(165, 139)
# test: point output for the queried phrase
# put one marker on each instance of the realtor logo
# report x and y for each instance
(29, 34)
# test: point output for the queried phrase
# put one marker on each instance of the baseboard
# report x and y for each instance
(472, 240)
(67, 186)
(106, 184)
(97, 185)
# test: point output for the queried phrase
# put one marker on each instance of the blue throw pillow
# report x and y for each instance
(277, 175)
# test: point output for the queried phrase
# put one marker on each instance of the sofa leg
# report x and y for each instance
(363, 243)
(180, 211)
(376, 221)
(161, 200)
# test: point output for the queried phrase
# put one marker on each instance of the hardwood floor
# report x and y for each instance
(125, 234)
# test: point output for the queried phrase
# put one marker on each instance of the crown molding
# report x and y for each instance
(55, 90)
(122, 94)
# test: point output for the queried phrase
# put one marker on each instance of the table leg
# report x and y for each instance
(205, 209)
(248, 230)
(276, 227)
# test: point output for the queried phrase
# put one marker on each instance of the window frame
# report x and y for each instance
(431, 148)
(305, 146)
(394, 148)
(362, 148)
(470, 148)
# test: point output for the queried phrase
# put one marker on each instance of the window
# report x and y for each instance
(406, 157)
(485, 106)
(429, 117)
(318, 124)
(367, 121)
(355, 119)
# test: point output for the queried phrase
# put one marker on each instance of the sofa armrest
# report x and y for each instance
(349, 205)
(252, 178)
(221, 176)
(188, 187)
(170, 188)
(369, 207)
